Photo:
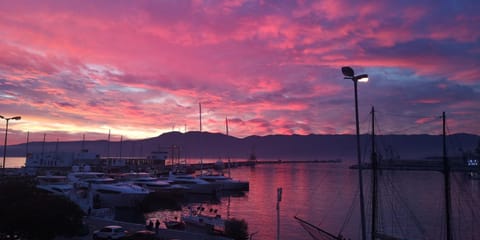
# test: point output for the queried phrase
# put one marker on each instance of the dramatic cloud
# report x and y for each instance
(141, 68)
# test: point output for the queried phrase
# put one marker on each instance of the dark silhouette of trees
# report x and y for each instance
(30, 213)
(236, 229)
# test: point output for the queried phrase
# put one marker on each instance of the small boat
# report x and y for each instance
(197, 221)
(474, 175)
(174, 224)
(218, 165)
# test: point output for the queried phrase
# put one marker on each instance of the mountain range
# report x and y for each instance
(280, 147)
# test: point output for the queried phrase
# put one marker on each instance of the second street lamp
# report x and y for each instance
(350, 74)
(5, 143)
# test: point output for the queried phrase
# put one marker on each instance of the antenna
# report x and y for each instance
(28, 140)
(200, 114)
(226, 125)
(83, 143)
(108, 144)
(121, 143)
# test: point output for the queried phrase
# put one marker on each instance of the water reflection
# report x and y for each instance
(411, 202)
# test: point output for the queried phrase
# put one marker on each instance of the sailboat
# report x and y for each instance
(376, 233)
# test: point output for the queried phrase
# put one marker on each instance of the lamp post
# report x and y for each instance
(5, 144)
(350, 74)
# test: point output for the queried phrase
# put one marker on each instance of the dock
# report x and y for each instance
(420, 165)
(199, 166)
(95, 223)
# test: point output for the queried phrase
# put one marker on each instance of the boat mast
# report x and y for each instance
(200, 114)
(446, 174)
(43, 148)
(28, 140)
(374, 180)
(279, 199)
(108, 144)
(121, 142)
(83, 144)
(201, 150)
(229, 173)
(226, 126)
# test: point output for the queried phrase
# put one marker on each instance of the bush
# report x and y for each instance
(236, 229)
(33, 214)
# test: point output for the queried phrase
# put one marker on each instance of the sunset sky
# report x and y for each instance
(141, 68)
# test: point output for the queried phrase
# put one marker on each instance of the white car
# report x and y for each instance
(110, 232)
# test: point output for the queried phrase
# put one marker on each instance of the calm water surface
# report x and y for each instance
(411, 202)
(14, 162)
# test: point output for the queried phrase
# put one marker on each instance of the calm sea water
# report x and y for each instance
(14, 162)
(411, 203)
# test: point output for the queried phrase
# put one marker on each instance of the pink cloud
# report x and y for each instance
(428, 101)
(149, 63)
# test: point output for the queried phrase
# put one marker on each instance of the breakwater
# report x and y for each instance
(224, 165)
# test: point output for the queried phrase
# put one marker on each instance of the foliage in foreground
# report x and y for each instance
(33, 214)
(236, 229)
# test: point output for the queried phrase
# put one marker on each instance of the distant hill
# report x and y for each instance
(285, 147)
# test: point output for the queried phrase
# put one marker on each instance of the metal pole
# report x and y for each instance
(279, 199)
(200, 115)
(26, 147)
(5, 146)
(446, 166)
(360, 177)
(374, 180)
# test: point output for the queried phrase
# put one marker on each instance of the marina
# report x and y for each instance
(317, 192)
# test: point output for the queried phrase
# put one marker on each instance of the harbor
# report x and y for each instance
(263, 179)
(84, 185)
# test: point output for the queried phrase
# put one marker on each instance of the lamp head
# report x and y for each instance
(17, 118)
(348, 72)
(362, 78)
(2, 117)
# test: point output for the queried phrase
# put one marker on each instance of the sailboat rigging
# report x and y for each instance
(446, 173)
(374, 179)
(375, 232)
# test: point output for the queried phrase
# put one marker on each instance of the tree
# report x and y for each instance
(236, 229)
(33, 214)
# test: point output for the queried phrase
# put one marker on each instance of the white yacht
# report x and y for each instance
(226, 183)
(107, 192)
(57, 185)
(154, 185)
(195, 185)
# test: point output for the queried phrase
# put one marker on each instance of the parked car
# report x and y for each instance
(110, 232)
(142, 235)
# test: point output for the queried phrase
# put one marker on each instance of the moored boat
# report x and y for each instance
(195, 185)
(226, 183)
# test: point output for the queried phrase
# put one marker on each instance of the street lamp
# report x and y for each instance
(5, 144)
(350, 74)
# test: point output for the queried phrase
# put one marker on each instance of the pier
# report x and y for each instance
(433, 164)
(225, 165)
(95, 223)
